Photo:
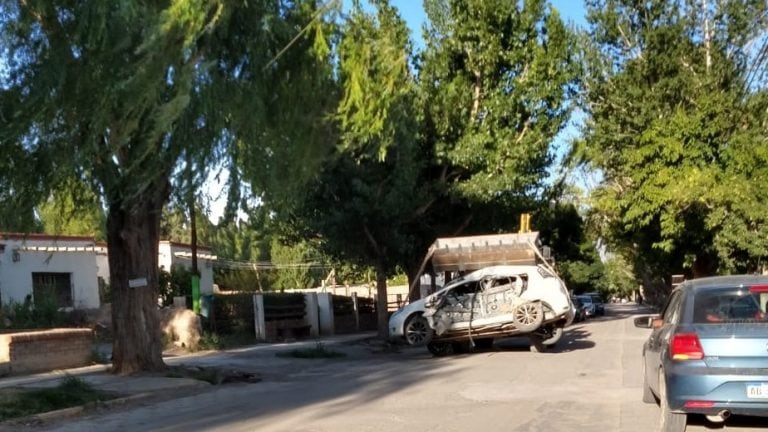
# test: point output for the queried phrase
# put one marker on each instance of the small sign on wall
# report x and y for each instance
(137, 283)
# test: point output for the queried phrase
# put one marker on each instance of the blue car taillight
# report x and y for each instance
(686, 346)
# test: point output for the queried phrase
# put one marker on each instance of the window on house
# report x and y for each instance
(52, 287)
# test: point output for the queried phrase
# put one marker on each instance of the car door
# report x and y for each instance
(500, 295)
(655, 346)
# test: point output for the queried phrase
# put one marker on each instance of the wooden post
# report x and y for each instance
(356, 311)
(258, 317)
(312, 313)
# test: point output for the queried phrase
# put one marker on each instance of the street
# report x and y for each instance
(591, 381)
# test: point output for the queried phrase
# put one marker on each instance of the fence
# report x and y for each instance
(397, 295)
(280, 316)
(353, 314)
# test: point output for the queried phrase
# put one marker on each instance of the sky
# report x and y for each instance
(413, 13)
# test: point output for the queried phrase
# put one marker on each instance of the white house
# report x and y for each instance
(74, 270)
(172, 253)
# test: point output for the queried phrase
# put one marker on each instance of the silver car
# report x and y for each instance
(708, 351)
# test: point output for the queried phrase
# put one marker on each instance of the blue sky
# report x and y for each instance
(413, 12)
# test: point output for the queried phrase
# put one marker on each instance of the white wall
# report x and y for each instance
(83, 259)
(170, 253)
(73, 255)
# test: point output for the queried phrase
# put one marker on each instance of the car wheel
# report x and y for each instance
(537, 344)
(648, 396)
(670, 421)
(440, 349)
(417, 331)
(528, 316)
(554, 336)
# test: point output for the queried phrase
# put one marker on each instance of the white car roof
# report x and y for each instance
(500, 270)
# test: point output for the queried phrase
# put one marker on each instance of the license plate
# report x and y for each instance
(757, 391)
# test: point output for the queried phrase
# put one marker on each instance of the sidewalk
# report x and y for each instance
(139, 386)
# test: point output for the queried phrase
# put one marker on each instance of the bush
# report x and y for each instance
(71, 392)
(27, 315)
(176, 283)
(232, 314)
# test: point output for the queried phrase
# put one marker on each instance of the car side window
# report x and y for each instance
(671, 313)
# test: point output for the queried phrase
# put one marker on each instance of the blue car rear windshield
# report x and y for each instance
(730, 305)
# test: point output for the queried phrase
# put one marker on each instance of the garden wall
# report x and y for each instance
(45, 350)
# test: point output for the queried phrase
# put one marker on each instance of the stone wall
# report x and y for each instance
(45, 350)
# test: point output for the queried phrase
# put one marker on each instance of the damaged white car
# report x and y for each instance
(493, 302)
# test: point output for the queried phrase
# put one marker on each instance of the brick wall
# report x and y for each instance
(45, 350)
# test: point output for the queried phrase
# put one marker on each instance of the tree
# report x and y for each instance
(120, 94)
(293, 264)
(494, 83)
(360, 207)
(73, 209)
(676, 97)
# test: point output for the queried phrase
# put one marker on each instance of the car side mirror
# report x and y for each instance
(648, 321)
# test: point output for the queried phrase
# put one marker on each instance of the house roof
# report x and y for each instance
(43, 237)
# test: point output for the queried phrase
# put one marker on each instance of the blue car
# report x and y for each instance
(708, 351)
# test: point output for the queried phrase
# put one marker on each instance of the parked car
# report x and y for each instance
(708, 351)
(579, 309)
(492, 302)
(590, 309)
(597, 300)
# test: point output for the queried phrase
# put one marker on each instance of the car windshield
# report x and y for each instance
(586, 299)
(731, 305)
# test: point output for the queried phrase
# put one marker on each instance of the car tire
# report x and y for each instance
(440, 349)
(669, 421)
(528, 316)
(537, 344)
(417, 331)
(648, 396)
(554, 338)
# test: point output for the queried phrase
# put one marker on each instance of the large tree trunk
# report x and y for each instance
(133, 232)
(381, 302)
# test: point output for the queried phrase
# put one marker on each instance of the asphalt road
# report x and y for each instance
(591, 381)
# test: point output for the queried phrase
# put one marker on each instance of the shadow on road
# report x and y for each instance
(575, 338)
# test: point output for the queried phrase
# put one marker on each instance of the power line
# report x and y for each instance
(317, 14)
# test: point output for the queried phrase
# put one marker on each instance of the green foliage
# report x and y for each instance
(72, 391)
(177, 282)
(292, 261)
(360, 207)
(373, 63)
(676, 107)
(180, 84)
(232, 314)
(175, 225)
(242, 279)
(29, 315)
(494, 81)
(73, 209)
(620, 279)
